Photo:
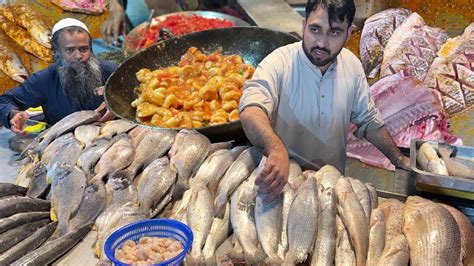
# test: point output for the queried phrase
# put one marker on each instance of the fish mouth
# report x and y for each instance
(20, 78)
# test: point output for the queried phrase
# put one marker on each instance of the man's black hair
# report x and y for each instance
(338, 10)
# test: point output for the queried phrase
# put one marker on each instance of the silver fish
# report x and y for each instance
(325, 246)
(65, 148)
(374, 199)
(327, 177)
(117, 157)
(115, 127)
(288, 197)
(268, 219)
(218, 233)
(295, 175)
(212, 169)
(39, 181)
(345, 255)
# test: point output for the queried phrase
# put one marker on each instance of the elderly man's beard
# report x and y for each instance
(80, 82)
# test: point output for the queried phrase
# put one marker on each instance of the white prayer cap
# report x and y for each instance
(68, 22)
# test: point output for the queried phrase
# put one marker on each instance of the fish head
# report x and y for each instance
(42, 36)
(16, 70)
(119, 180)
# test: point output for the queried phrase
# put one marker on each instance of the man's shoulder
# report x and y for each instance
(283, 54)
(107, 65)
(350, 62)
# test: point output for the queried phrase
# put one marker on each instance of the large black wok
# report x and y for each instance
(252, 43)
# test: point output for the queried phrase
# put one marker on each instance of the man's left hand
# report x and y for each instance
(404, 164)
(107, 115)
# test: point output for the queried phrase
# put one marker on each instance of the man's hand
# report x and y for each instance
(18, 122)
(404, 163)
(107, 115)
(274, 175)
(115, 25)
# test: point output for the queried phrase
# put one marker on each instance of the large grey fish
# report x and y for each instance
(374, 199)
(52, 250)
(7, 189)
(115, 127)
(363, 195)
(354, 219)
(20, 219)
(376, 237)
(375, 34)
(92, 204)
(396, 252)
(12, 204)
(39, 181)
(155, 182)
(65, 125)
(288, 197)
(302, 222)
(240, 170)
(117, 157)
(30, 243)
(120, 190)
(89, 157)
(345, 255)
(325, 246)
(65, 148)
(67, 189)
(86, 134)
(189, 150)
(268, 219)
(242, 204)
(153, 146)
(212, 169)
(218, 233)
(432, 233)
(11, 237)
(199, 216)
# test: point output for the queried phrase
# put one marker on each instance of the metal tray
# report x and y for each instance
(442, 184)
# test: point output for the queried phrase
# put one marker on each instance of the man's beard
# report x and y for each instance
(79, 82)
(317, 62)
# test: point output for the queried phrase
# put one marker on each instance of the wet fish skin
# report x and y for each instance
(454, 168)
(12, 205)
(65, 148)
(137, 134)
(52, 250)
(327, 177)
(237, 150)
(39, 181)
(120, 190)
(86, 134)
(117, 157)
(10, 62)
(325, 246)
(393, 215)
(432, 233)
(345, 254)
(89, 157)
(354, 219)
(288, 197)
(220, 145)
(396, 252)
(429, 160)
(11, 237)
(268, 221)
(363, 195)
(302, 222)
(213, 169)
(20, 219)
(218, 233)
(374, 199)
(376, 237)
(7, 189)
(115, 127)
(30, 243)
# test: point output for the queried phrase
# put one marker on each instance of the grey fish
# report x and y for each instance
(24, 176)
(30, 243)
(302, 222)
(86, 134)
(153, 146)
(11, 237)
(374, 199)
(189, 150)
(20, 219)
(218, 233)
(220, 145)
(325, 246)
(68, 185)
(240, 170)
(165, 201)
(363, 195)
(12, 205)
(345, 255)
(268, 220)
(376, 237)
(52, 250)
(288, 197)
(155, 182)
(117, 157)
(65, 125)
(65, 148)
(92, 204)
(237, 150)
(39, 181)
(212, 169)
(89, 157)
(7, 189)
(120, 190)
(115, 127)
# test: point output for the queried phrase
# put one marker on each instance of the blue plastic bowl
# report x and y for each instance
(152, 228)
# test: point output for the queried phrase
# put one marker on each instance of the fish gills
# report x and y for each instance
(325, 246)
(354, 219)
(268, 220)
(302, 222)
(432, 233)
(376, 237)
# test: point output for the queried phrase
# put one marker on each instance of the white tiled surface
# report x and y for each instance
(8, 169)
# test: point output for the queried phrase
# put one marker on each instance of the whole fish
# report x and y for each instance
(429, 160)
(153, 146)
(115, 127)
(12, 205)
(30, 243)
(393, 215)
(11, 237)
(374, 199)
(376, 237)
(288, 197)
(454, 168)
(200, 216)
(325, 246)
(86, 134)
(467, 235)
(52, 250)
(363, 195)
(432, 233)
(212, 169)
(240, 170)
(90, 155)
(302, 222)
(65, 148)
(7, 189)
(10, 62)
(187, 153)
(268, 219)
(354, 219)
(220, 145)
(155, 182)
(68, 185)
(218, 233)
(345, 254)
(20, 219)
(92, 203)
(396, 252)
(117, 157)
(39, 181)
(66, 125)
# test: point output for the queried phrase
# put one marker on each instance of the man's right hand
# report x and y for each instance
(17, 122)
(115, 25)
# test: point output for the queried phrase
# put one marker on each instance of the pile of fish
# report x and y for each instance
(116, 173)
(21, 24)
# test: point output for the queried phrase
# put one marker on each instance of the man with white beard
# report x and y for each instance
(67, 86)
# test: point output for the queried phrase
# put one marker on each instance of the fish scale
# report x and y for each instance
(325, 246)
